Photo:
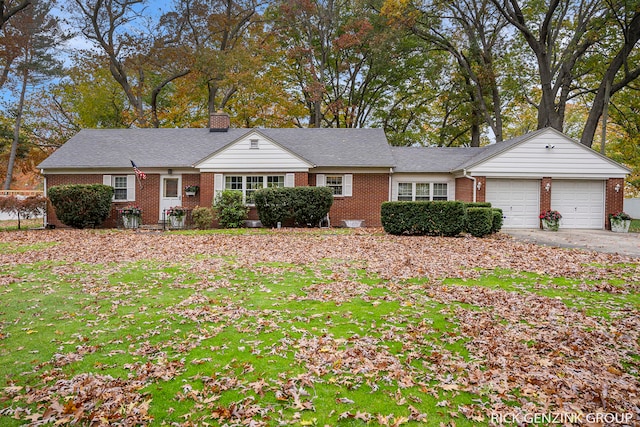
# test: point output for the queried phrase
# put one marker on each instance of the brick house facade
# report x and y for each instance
(540, 171)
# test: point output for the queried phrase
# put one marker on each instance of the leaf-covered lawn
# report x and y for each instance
(297, 327)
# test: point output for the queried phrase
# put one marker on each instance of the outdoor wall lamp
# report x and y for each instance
(617, 188)
(549, 146)
(479, 185)
(548, 186)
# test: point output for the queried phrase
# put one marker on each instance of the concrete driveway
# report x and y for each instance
(594, 240)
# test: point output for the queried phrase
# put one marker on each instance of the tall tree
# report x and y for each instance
(10, 8)
(135, 54)
(219, 38)
(36, 34)
(473, 33)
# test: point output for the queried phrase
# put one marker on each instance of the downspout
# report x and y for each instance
(45, 220)
(390, 183)
(464, 173)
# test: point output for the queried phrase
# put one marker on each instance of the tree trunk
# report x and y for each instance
(632, 37)
(16, 130)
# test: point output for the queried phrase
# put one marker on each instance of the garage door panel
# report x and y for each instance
(581, 203)
(518, 199)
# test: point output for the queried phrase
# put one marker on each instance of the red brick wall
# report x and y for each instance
(482, 192)
(369, 192)
(55, 180)
(464, 189)
(301, 179)
(206, 189)
(545, 196)
(614, 201)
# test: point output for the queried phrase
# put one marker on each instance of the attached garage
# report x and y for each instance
(544, 170)
(519, 200)
(581, 203)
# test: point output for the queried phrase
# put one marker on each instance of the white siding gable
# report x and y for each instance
(548, 154)
(253, 153)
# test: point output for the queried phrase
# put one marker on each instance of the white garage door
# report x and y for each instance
(519, 200)
(581, 203)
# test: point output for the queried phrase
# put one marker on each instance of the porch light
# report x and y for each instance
(617, 188)
(479, 185)
(548, 186)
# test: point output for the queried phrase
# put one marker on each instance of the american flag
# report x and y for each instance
(139, 173)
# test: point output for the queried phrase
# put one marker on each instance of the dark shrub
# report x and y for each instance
(306, 206)
(477, 204)
(311, 205)
(229, 209)
(81, 206)
(274, 205)
(479, 221)
(497, 220)
(444, 218)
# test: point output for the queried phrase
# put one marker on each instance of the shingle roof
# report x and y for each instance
(114, 148)
(432, 159)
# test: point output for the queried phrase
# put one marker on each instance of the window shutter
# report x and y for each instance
(106, 180)
(289, 180)
(321, 180)
(218, 182)
(347, 187)
(131, 188)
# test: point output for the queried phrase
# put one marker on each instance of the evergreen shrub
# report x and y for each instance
(81, 206)
(229, 209)
(443, 218)
(479, 221)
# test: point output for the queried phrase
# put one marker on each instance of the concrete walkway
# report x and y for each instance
(594, 240)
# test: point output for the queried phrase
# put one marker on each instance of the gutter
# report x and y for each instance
(390, 183)
(464, 173)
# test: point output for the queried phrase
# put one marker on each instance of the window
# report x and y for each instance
(334, 182)
(422, 191)
(120, 187)
(233, 183)
(405, 192)
(248, 184)
(253, 183)
(275, 181)
(439, 191)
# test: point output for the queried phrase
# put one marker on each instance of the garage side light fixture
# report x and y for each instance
(617, 188)
(479, 185)
(548, 186)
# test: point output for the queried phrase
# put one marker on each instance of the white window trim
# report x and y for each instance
(413, 189)
(131, 187)
(347, 183)
(220, 182)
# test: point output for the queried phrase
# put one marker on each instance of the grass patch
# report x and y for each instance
(218, 339)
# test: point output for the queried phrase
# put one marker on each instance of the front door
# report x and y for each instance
(170, 192)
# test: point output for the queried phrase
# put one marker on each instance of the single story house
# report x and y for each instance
(526, 175)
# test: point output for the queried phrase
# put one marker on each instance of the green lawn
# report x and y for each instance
(226, 328)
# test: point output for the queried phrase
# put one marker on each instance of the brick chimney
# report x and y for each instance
(219, 122)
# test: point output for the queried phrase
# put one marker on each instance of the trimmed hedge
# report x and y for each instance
(478, 204)
(443, 218)
(497, 220)
(81, 206)
(479, 221)
(274, 205)
(305, 206)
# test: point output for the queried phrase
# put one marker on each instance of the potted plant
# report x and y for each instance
(176, 216)
(620, 222)
(191, 190)
(131, 216)
(550, 220)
